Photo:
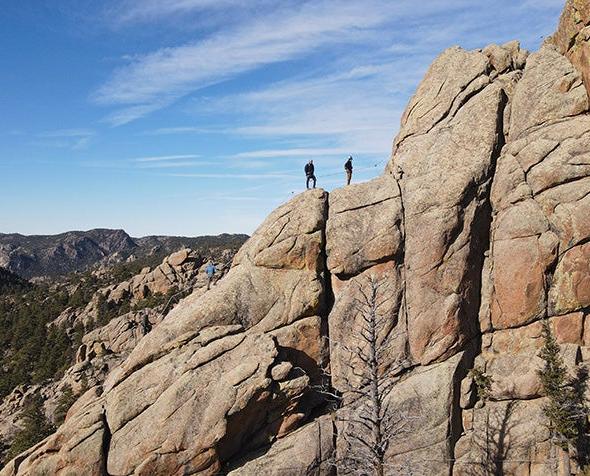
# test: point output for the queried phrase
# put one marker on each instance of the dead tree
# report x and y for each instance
(366, 418)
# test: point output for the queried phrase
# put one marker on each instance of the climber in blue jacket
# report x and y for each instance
(210, 270)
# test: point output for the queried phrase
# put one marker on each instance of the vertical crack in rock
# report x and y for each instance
(328, 298)
(455, 416)
(106, 444)
(402, 265)
(480, 243)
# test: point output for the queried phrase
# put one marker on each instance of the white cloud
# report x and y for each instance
(356, 110)
(74, 139)
(173, 165)
(170, 161)
(164, 158)
(272, 32)
(129, 114)
(185, 130)
(286, 153)
(68, 133)
(129, 11)
(155, 80)
(236, 176)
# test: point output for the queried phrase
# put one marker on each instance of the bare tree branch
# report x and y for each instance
(368, 421)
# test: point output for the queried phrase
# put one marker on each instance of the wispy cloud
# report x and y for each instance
(165, 158)
(155, 80)
(75, 139)
(236, 176)
(129, 114)
(173, 165)
(357, 109)
(142, 11)
(170, 161)
(67, 133)
(275, 32)
(286, 153)
(186, 130)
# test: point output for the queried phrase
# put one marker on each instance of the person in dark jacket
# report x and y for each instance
(309, 173)
(348, 168)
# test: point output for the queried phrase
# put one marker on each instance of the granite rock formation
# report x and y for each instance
(479, 228)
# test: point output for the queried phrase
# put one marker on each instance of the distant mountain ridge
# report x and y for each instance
(32, 256)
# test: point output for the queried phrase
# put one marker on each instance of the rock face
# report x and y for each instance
(477, 230)
(179, 273)
(238, 362)
(305, 451)
(446, 227)
(572, 36)
(175, 272)
(107, 346)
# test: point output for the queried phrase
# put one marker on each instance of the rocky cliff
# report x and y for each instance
(478, 229)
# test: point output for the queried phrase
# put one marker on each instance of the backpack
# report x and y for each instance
(306, 169)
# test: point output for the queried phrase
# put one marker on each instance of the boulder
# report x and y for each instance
(364, 226)
(178, 258)
(570, 289)
(549, 90)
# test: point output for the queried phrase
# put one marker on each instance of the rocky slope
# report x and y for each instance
(478, 228)
(74, 251)
(115, 319)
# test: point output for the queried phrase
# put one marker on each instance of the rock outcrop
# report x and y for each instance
(238, 362)
(150, 294)
(180, 273)
(572, 36)
(478, 229)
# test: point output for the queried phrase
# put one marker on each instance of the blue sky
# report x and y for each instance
(192, 117)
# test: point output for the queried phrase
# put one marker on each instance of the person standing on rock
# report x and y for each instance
(348, 169)
(210, 270)
(309, 173)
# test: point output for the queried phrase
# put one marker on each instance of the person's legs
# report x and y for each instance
(313, 178)
(307, 182)
(209, 282)
(348, 176)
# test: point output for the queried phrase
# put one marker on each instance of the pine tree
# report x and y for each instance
(554, 380)
(65, 401)
(566, 409)
(35, 428)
